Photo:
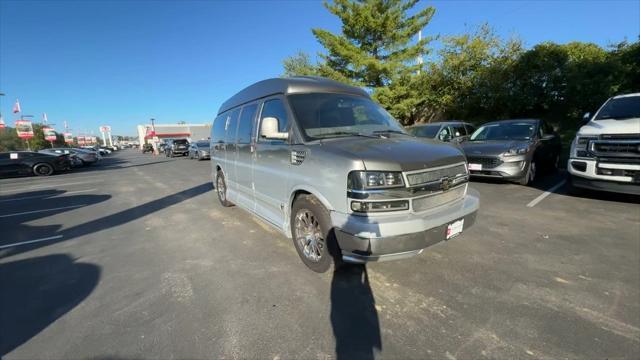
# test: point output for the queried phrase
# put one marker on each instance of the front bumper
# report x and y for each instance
(392, 237)
(584, 174)
(508, 168)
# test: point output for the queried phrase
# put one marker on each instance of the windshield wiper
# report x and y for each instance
(346, 133)
(390, 131)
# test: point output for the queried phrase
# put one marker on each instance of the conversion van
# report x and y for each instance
(331, 169)
(605, 154)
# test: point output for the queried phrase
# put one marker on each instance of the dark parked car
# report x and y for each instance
(86, 157)
(177, 147)
(199, 150)
(456, 131)
(513, 150)
(32, 163)
(147, 148)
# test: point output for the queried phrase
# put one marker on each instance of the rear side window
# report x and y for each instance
(459, 130)
(275, 108)
(232, 127)
(246, 123)
(218, 133)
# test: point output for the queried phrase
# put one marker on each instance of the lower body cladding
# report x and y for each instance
(393, 237)
(510, 168)
(605, 176)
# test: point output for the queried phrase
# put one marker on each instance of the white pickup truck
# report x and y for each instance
(605, 154)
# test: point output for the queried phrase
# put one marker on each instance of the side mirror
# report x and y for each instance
(585, 118)
(269, 129)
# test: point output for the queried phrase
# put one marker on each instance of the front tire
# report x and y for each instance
(221, 189)
(42, 169)
(530, 176)
(312, 233)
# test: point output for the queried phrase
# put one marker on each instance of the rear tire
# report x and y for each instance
(42, 169)
(313, 236)
(221, 189)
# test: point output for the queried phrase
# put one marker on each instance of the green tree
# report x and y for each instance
(299, 65)
(375, 46)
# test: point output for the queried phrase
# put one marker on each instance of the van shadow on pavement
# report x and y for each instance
(354, 317)
(35, 292)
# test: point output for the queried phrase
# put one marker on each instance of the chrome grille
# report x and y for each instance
(432, 201)
(616, 148)
(436, 174)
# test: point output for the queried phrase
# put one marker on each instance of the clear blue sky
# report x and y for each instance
(123, 62)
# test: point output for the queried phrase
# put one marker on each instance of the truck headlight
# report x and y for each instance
(580, 145)
(363, 180)
(516, 151)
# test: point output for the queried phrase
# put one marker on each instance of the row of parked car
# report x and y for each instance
(49, 161)
(198, 150)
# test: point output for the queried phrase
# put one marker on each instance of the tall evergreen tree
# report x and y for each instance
(376, 44)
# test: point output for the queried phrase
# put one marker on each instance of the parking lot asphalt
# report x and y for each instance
(135, 258)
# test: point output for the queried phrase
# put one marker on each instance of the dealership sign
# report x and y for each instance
(81, 140)
(68, 138)
(24, 128)
(49, 134)
(105, 129)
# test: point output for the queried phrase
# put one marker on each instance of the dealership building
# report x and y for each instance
(191, 132)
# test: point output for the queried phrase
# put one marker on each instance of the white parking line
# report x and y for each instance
(555, 187)
(48, 186)
(31, 241)
(43, 210)
(41, 196)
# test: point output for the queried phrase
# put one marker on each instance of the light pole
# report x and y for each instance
(1, 119)
(27, 140)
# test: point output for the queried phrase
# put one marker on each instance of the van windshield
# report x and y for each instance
(322, 116)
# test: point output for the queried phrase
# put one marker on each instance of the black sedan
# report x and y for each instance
(199, 150)
(32, 163)
(513, 150)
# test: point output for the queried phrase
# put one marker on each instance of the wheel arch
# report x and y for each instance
(294, 194)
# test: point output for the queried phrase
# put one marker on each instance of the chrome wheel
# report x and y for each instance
(309, 235)
(222, 190)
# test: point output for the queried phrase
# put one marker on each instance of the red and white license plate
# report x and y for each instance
(455, 228)
(475, 167)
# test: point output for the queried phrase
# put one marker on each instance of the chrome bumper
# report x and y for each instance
(392, 237)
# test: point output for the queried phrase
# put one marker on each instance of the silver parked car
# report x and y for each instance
(327, 166)
(199, 150)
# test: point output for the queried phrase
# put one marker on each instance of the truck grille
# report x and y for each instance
(432, 201)
(622, 147)
(436, 174)
(487, 162)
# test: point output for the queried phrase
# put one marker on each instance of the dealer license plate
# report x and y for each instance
(455, 228)
(475, 166)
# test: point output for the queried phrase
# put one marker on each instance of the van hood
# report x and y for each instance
(610, 126)
(396, 153)
(491, 148)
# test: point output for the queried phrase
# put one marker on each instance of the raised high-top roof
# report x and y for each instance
(291, 85)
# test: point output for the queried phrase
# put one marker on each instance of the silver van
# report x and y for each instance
(330, 168)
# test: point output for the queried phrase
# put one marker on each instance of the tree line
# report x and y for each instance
(476, 76)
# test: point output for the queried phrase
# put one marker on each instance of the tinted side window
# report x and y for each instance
(470, 129)
(275, 108)
(246, 123)
(459, 130)
(217, 132)
(232, 127)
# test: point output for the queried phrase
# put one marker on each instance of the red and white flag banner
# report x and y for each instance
(16, 107)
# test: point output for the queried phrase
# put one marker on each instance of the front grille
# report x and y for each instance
(436, 174)
(616, 148)
(432, 201)
(487, 162)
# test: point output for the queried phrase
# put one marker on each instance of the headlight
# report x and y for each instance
(517, 151)
(580, 146)
(362, 180)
